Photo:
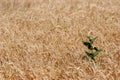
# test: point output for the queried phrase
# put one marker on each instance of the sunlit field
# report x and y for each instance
(42, 39)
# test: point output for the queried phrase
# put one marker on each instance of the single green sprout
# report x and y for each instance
(94, 50)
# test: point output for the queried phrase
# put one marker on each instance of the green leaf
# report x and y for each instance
(96, 53)
(88, 45)
(90, 55)
(92, 40)
(95, 48)
(88, 37)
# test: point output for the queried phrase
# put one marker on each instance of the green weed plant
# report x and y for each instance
(94, 51)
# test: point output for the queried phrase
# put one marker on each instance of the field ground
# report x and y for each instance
(42, 39)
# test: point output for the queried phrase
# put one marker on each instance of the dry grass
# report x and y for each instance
(42, 39)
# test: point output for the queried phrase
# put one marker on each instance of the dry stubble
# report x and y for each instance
(42, 39)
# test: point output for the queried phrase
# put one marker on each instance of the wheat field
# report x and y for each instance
(42, 39)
